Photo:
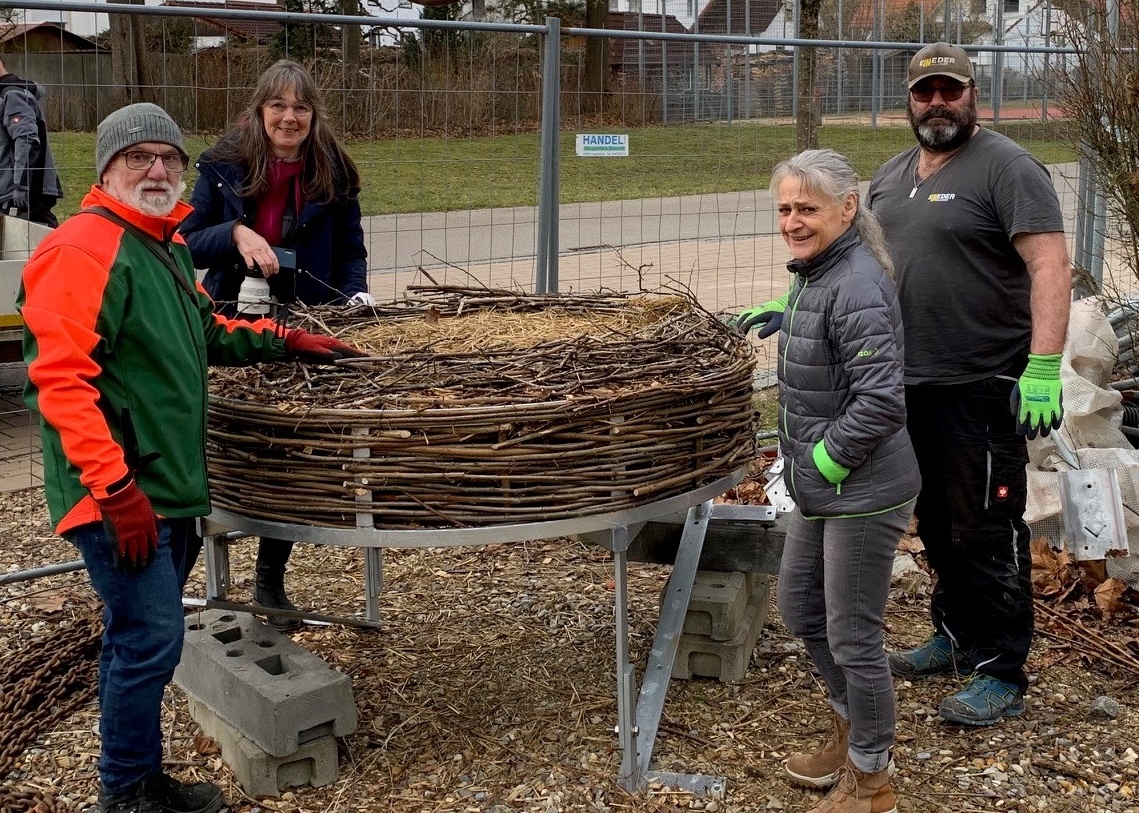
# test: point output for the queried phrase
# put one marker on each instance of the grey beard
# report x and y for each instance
(943, 137)
(937, 136)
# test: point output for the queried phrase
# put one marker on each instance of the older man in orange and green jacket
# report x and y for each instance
(118, 337)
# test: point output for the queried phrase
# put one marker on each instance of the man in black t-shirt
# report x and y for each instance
(976, 233)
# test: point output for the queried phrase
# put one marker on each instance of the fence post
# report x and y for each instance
(664, 63)
(546, 270)
(1099, 235)
(1084, 209)
(728, 78)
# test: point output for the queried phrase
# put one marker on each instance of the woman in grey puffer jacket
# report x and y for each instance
(849, 465)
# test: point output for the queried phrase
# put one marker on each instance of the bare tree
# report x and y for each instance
(596, 57)
(9, 19)
(130, 72)
(1099, 95)
(350, 37)
(808, 115)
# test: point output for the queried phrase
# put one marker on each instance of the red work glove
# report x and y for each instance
(317, 349)
(130, 524)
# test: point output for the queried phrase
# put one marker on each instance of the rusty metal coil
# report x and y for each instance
(40, 685)
(432, 436)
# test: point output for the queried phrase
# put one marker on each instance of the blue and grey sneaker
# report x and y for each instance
(936, 656)
(983, 701)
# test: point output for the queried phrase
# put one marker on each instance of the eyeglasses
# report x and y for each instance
(949, 93)
(139, 159)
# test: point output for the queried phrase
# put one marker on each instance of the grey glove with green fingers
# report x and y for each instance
(768, 317)
(1037, 400)
(834, 472)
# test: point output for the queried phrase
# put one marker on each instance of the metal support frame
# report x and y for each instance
(546, 263)
(638, 716)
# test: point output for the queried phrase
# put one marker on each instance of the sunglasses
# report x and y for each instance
(949, 93)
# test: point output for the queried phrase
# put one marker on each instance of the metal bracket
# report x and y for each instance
(639, 739)
(1093, 513)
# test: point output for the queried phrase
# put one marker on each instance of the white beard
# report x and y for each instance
(159, 198)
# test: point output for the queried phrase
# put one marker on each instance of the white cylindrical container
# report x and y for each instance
(253, 298)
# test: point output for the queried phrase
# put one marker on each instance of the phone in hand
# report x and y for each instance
(286, 258)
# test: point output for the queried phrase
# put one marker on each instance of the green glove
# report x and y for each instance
(1037, 401)
(828, 468)
(769, 316)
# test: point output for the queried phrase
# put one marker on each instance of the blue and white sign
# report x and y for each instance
(601, 144)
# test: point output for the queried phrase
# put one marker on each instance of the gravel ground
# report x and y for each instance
(491, 688)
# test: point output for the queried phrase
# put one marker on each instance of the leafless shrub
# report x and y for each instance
(1099, 95)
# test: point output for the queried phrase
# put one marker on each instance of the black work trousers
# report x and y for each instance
(970, 517)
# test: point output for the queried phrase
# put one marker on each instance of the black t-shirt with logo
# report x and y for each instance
(963, 288)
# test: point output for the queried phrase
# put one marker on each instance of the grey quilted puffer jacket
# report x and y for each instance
(840, 380)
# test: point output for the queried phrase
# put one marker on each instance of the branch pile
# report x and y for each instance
(480, 407)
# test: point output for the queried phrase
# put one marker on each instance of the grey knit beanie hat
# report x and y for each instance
(134, 124)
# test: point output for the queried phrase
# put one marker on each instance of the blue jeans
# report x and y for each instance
(142, 644)
(833, 583)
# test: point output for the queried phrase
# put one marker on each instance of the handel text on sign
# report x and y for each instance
(592, 144)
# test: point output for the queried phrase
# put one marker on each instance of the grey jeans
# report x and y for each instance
(833, 583)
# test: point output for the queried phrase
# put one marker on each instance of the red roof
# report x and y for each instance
(863, 15)
(247, 29)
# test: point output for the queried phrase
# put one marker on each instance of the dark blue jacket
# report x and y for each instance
(329, 241)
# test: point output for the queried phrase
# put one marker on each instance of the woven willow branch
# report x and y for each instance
(480, 407)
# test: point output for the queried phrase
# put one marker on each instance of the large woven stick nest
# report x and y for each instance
(483, 407)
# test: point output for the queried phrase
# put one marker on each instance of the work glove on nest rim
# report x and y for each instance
(317, 349)
(768, 317)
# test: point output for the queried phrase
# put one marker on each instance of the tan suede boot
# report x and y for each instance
(820, 769)
(857, 792)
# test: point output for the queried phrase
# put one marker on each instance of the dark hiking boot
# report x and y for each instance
(935, 657)
(164, 794)
(984, 701)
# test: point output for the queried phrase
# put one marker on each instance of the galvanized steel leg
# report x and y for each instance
(658, 671)
(637, 725)
(373, 582)
(629, 776)
(216, 549)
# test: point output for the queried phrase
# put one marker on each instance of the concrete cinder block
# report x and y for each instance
(260, 773)
(717, 605)
(272, 690)
(727, 661)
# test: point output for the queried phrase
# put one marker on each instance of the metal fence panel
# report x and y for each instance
(445, 125)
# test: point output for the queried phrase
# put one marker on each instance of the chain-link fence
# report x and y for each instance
(471, 174)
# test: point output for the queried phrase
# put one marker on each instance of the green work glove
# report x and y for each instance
(1037, 401)
(768, 316)
(828, 468)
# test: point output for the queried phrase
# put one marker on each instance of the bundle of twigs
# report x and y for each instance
(480, 407)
